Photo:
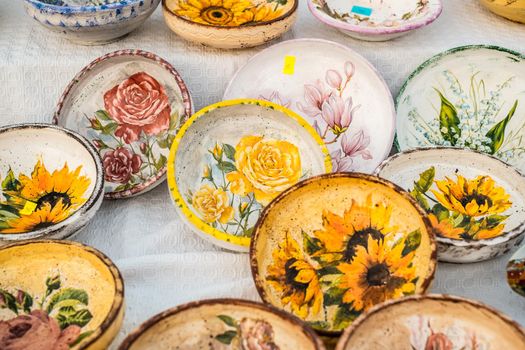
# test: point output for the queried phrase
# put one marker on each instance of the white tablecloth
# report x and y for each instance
(163, 263)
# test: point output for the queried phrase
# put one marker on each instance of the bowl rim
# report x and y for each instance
(287, 317)
(284, 16)
(117, 304)
(494, 241)
(91, 203)
(424, 21)
(83, 9)
(187, 103)
(429, 277)
(195, 223)
(349, 332)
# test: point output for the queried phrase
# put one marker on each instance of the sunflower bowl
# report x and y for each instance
(474, 201)
(335, 245)
(230, 24)
(513, 10)
(51, 182)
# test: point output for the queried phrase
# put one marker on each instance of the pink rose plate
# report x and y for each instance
(129, 104)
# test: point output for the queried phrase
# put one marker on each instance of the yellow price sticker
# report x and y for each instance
(289, 65)
(29, 207)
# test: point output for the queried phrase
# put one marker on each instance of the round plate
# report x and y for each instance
(341, 95)
(432, 322)
(129, 104)
(58, 295)
(516, 272)
(223, 324)
(232, 158)
(51, 182)
(333, 246)
(474, 201)
(470, 96)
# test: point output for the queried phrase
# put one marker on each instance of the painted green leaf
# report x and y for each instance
(494, 220)
(68, 293)
(228, 320)
(440, 212)
(161, 162)
(79, 318)
(229, 151)
(6, 215)
(412, 242)
(311, 244)
(420, 199)
(226, 167)
(164, 143)
(80, 338)
(8, 300)
(53, 283)
(24, 301)
(10, 182)
(448, 121)
(497, 133)
(426, 178)
(344, 316)
(109, 128)
(174, 121)
(328, 270)
(280, 2)
(333, 296)
(226, 337)
(103, 115)
(319, 324)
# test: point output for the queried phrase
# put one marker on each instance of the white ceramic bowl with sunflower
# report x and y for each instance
(230, 24)
(333, 246)
(51, 182)
(475, 202)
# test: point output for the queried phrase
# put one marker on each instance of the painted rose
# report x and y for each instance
(265, 167)
(138, 104)
(256, 335)
(120, 164)
(213, 204)
(36, 331)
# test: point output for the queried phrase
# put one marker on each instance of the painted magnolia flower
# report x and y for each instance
(338, 113)
(120, 164)
(349, 70)
(212, 203)
(334, 79)
(341, 162)
(265, 167)
(356, 145)
(314, 95)
(277, 98)
(256, 335)
(138, 104)
(36, 331)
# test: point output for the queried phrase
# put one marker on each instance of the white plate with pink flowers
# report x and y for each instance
(130, 105)
(335, 89)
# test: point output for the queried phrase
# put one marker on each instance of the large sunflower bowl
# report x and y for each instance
(51, 182)
(230, 24)
(333, 246)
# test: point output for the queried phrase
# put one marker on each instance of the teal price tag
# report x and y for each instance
(360, 10)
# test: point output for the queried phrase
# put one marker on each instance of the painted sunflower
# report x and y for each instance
(378, 273)
(41, 218)
(341, 236)
(295, 279)
(472, 198)
(228, 13)
(445, 228)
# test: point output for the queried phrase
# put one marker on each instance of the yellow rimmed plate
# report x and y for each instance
(232, 158)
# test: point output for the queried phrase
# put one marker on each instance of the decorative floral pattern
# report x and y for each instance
(353, 262)
(247, 334)
(516, 275)
(55, 323)
(463, 209)
(42, 200)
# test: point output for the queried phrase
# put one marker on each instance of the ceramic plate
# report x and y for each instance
(376, 20)
(333, 246)
(223, 324)
(511, 9)
(129, 104)
(58, 295)
(51, 182)
(341, 95)
(232, 158)
(475, 202)
(433, 322)
(471, 96)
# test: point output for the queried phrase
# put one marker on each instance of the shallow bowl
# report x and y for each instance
(513, 10)
(91, 22)
(230, 24)
(52, 182)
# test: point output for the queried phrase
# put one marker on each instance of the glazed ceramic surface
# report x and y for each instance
(129, 104)
(91, 22)
(473, 97)
(51, 182)
(376, 20)
(341, 94)
(333, 246)
(476, 203)
(232, 158)
(58, 295)
(516, 272)
(511, 9)
(222, 324)
(433, 322)
(230, 24)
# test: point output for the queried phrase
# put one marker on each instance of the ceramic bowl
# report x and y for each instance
(432, 322)
(129, 104)
(513, 10)
(91, 22)
(467, 97)
(51, 182)
(516, 272)
(376, 20)
(299, 75)
(222, 324)
(232, 158)
(230, 24)
(333, 246)
(475, 202)
(58, 295)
